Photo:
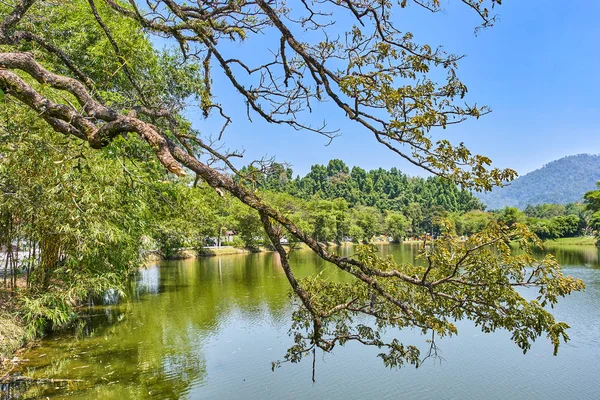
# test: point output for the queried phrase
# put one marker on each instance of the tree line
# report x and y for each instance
(385, 190)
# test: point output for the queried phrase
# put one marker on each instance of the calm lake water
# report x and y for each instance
(210, 328)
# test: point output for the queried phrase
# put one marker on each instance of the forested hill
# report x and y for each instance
(559, 182)
(386, 190)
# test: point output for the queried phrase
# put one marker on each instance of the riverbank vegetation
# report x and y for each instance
(98, 163)
(592, 201)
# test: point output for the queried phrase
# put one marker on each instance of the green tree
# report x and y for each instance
(356, 233)
(414, 213)
(592, 202)
(396, 225)
(78, 247)
(336, 167)
(323, 221)
(472, 222)
(367, 219)
(510, 216)
(246, 222)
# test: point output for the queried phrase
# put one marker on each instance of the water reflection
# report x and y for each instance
(148, 281)
(210, 328)
(588, 256)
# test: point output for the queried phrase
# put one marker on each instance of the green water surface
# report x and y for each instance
(210, 328)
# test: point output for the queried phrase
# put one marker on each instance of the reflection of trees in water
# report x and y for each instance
(148, 280)
(575, 255)
(144, 355)
(12, 390)
(153, 344)
(409, 252)
(569, 256)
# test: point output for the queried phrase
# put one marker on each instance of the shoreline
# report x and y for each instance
(186, 254)
(572, 241)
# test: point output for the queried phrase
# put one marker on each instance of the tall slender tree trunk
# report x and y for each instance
(50, 253)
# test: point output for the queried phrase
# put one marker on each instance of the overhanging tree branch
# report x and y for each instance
(385, 89)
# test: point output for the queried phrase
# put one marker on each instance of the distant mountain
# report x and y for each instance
(562, 181)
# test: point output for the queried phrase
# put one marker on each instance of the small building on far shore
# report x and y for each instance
(228, 236)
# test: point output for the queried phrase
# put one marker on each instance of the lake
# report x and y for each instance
(210, 328)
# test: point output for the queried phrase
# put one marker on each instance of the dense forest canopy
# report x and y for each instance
(84, 77)
(386, 190)
(561, 181)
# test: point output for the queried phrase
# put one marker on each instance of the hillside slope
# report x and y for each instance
(562, 181)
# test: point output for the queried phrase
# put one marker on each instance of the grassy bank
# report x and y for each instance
(221, 251)
(573, 241)
(184, 254)
(13, 334)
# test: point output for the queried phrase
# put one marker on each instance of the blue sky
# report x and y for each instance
(537, 68)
